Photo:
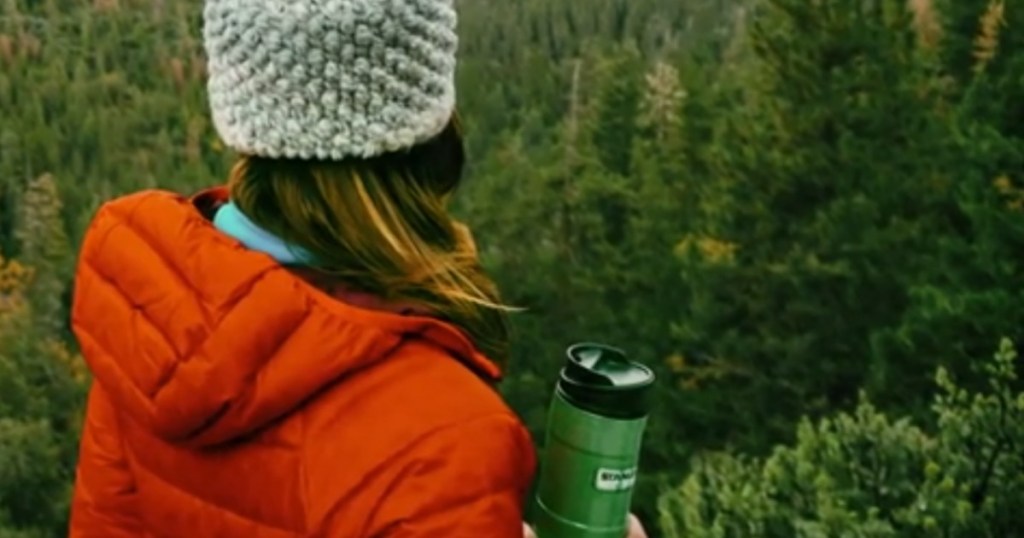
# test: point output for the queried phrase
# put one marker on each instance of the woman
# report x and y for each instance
(311, 350)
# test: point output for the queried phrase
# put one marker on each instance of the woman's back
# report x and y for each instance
(235, 399)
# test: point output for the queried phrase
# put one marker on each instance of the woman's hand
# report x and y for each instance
(636, 530)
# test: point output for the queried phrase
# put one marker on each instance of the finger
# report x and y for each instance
(636, 530)
(528, 532)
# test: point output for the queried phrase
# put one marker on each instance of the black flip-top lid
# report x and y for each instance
(602, 380)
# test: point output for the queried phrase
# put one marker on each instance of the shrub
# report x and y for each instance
(863, 475)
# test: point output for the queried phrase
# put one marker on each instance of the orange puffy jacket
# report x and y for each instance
(234, 399)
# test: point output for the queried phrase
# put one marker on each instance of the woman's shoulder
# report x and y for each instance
(415, 429)
(146, 213)
(161, 200)
(420, 388)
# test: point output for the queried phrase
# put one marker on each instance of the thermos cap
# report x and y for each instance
(600, 379)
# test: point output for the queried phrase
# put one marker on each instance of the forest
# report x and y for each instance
(806, 215)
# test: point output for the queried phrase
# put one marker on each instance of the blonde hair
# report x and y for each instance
(382, 226)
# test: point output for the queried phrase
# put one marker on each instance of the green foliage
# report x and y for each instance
(28, 453)
(44, 246)
(867, 236)
(778, 204)
(41, 387)
(862, 475)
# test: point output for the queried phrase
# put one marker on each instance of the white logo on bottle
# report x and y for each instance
(615, 479)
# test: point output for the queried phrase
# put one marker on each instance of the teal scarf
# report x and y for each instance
(231, 221)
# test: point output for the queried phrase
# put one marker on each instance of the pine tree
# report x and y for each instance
(44, 246)
(834, 167)
(617, 110)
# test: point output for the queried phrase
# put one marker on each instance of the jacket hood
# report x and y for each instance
(202, 341)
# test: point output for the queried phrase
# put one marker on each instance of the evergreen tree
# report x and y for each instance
(44, 246)
(835, 191)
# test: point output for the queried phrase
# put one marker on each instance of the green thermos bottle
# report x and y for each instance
(589, 464)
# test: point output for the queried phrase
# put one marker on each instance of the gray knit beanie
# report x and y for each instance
(329, 79)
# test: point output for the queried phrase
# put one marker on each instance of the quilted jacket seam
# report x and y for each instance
(267, 357)
(413, 446)
(499, 416)
(129, 222)
(304, 469)
(214, 504)
(165, 377)
(88, 262)
(207, 306)
(227, 307)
